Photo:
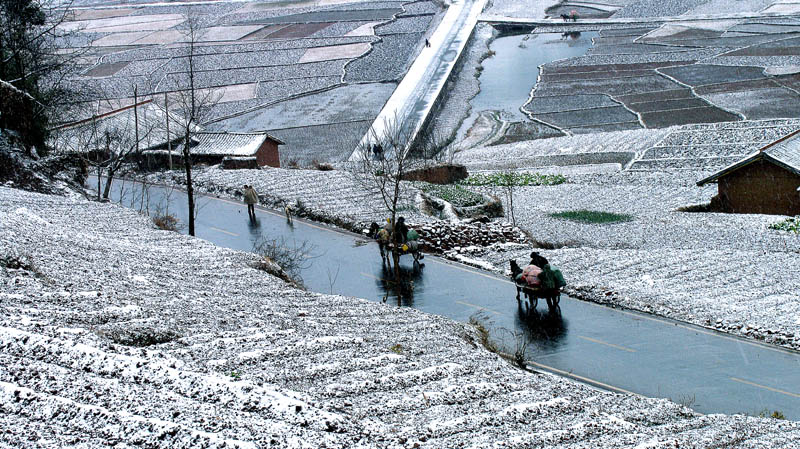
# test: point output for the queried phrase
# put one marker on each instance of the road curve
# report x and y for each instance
(610, 348)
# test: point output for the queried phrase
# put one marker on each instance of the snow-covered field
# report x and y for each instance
(725, 271)
(113, 333)
(336, 195)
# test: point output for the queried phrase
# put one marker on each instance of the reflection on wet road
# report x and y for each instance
(615, 349)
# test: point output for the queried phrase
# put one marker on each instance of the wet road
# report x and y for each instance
(610, 348)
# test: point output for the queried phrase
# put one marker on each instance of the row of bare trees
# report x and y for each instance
(117, 132)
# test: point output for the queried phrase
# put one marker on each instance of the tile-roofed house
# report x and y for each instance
(212, 147)
(765, 182)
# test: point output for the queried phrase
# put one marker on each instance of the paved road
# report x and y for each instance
(610, 348)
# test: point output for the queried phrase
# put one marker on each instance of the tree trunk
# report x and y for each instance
(187, 164)
(110, 169)
(109, 179)
(99, 174)
(169, 136)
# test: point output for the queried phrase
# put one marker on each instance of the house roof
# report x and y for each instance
(784, 152)
(228, 144)
(89, 134)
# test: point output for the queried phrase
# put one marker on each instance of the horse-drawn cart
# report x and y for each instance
(386, 246)
(405, 248)
(551, 295)
(538, 283)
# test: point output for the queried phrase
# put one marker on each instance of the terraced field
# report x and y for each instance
(256, 57)
(658, 75)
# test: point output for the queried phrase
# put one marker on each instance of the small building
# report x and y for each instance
(765, 182)
(211, 147)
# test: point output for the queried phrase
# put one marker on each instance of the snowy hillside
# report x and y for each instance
(114, 333)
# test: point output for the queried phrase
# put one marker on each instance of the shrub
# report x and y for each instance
(696, 208)
(140, 337)
(480, 323)
(18, 262)
(791, 224)
(282, 260)
(777, 414)
(321, 166)
(506, 179)
(592, 216)
(453, 194)
(166, 222)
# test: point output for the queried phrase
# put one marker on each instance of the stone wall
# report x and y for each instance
(443, 236)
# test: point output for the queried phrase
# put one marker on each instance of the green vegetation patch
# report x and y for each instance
(592, 216)
(503, 179)
(453, 193)
(791, 224)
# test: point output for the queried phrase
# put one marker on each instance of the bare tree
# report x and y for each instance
(33, 60)
(382, 161)
(194, 104)
(508, 182)
(107, 140)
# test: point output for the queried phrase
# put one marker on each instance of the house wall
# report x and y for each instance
(760, 188)
(440, 174)
(268, 154)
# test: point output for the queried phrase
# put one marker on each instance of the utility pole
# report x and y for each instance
(169, 137)
(136, 117)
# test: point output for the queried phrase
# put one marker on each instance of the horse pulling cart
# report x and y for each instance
(386, 246)
(405, 248)
(551, 295)
(547, 286)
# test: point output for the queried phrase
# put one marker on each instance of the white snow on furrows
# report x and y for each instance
(727, 271)
(211, 352)
(330, 194)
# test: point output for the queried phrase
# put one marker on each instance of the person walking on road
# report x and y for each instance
(251, 198)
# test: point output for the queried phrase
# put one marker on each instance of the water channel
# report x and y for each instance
(510, 74)
(614, 349)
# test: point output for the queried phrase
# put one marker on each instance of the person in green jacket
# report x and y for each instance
(551, 278)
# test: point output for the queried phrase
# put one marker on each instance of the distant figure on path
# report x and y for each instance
(287, 209)
(427, 43)
(573, 15)
(251, 198)
(377, 151)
